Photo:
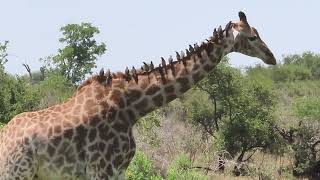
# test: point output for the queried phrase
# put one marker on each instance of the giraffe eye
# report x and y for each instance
(252, 38)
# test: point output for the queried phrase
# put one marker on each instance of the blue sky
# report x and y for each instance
(145, 30)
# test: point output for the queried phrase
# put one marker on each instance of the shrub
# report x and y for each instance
(54, 89)
(308, 108)
(141, 168)
(291, 72)
(308, 59)
(16, 96)
(306, 150)
(306, 146)
(147, 127)
(181, 168)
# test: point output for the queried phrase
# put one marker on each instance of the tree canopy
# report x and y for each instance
(79, 55)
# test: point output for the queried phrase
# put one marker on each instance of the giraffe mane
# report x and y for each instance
(101, 78)
(90, 80)
(87, 82)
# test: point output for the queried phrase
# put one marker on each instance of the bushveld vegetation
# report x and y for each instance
(261, 122)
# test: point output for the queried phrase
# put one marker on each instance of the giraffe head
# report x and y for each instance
(246, 40)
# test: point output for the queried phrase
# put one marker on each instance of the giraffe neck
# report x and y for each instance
(125, 97)
(155, 90)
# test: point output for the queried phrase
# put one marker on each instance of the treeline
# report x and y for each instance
(271, 110)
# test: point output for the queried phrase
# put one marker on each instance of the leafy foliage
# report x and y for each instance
(291, 72)
(79, 55)
(306, 144)
(141, 168)
(222, 84)
(308, 108)
(181, 168)
(54, 89)
(295, 68)
(147, 125)
(16, 96)
(252, 122)
(307, 149)
(308, 59)
(243, 106)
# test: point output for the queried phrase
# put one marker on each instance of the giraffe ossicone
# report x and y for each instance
(90, 135)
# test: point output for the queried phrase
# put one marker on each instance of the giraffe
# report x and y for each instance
(90, 135)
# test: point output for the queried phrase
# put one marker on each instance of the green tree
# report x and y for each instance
(306, 144)
(251, 126)
(80, 53)
(242, 112)
(222, 84)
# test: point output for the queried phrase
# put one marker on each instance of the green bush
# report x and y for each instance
(306, 150)
(141, 168)
(308, 108)
(260, 72)
(147, 127)
(54, 89)
(307, 59)
(16, 96)
(181, 168)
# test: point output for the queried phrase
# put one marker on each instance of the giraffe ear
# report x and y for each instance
(242, 17)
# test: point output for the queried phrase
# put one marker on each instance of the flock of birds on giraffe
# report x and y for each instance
(181, 57)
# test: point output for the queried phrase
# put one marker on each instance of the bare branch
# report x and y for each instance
(28, 69)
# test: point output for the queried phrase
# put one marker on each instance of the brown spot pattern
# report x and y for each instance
(197, 76)
(152, 89)
(169, 89)
(132, 95)
(184, 84)
(158, 100)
